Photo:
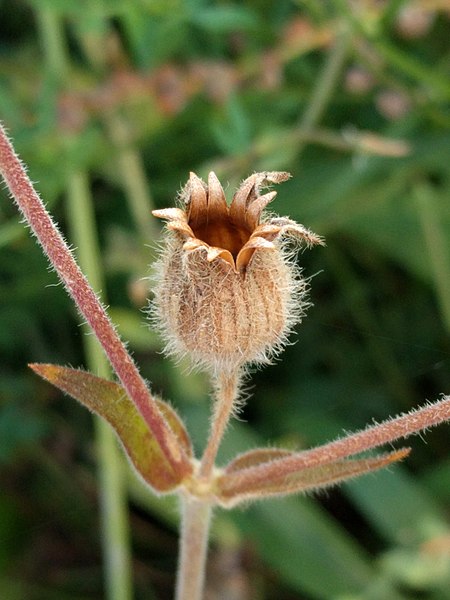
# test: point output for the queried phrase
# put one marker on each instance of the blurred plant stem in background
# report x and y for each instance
(429, 209)
(93, 39)
(365, 321)
(81, 221)
(134, 181)
(113, 489)
(326, 83)
(307, 130)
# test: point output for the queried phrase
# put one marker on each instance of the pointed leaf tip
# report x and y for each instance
(110, 401)
(233, 489)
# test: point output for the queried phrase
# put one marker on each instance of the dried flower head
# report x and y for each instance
(227, 291)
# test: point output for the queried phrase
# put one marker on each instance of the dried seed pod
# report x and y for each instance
(227, 290)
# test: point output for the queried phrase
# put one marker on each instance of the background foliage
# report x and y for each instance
(353, 99)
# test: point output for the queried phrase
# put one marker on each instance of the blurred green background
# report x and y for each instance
(123, 98)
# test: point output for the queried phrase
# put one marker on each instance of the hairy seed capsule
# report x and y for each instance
(227, 292)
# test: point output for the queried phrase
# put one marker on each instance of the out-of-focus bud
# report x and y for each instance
(392, 105)
(227, 291)
(414, 21)
(358, 81)
(138, 291)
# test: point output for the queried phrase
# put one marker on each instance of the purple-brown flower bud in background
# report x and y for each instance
(228, 291)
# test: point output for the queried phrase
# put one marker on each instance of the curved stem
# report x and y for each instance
(76, 283)
(88, 303)
(114, 513)
(113, 499)
(226, 395)
(325, 84)
(196, 517)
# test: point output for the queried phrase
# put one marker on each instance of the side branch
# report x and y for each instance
(372, 437)
(87, 302)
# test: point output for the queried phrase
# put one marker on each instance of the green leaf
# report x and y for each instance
(225, 19)
(398, 507)
(19, 429)
(306, 548)
(110, 401)
(10, 232)
(129, 326)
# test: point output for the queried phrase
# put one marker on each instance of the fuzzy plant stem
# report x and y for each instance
(115, 527)
(112, 484)
(195, 521)
(76, 283)
(225, 402)
(372, 437)
(88, 303)
(195, 513)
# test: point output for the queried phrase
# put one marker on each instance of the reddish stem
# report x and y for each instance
(377, 435)
(87, 302)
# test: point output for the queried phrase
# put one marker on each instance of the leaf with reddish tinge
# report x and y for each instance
(306, 479)
(256, 457)
(110, 401)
